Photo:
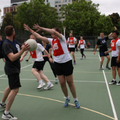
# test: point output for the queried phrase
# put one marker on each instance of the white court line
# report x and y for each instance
(54, 80)
(21, 69)
(109, 93)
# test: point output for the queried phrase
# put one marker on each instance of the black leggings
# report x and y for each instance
(51, 65)
(82, 52)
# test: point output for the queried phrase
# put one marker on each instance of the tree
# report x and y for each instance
(37, 12)
(84, 18)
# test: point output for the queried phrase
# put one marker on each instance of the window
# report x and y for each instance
(69, 0)
(64, 0)
(59, 5)
(55, 5)
(46, 0)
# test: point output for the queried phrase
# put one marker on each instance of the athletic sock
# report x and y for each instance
(3, 103)
(75, 99)
(40, 81)
(49, 83)
(68, 97)
(114, 79)
(7, 112)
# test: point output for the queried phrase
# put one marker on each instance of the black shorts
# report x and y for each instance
(65, 69)
(14, 81)
(114, 62)
(72, 49)
(103, 54)
(38, 65)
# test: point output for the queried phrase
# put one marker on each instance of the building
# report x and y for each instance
(59, 3)
(52, 2)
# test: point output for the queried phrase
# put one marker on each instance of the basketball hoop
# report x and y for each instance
(64, 28)
(71, 31)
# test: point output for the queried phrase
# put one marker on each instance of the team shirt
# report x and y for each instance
(71, 40)
(60, 50)
(11, 47)
(102, 44)
(114, 46)
(37, 54)
(82, 44)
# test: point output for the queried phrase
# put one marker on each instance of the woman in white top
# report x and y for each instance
(62, 60)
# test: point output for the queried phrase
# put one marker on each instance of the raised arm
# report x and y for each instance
(36, 34)
(51, 31)
(115, 28)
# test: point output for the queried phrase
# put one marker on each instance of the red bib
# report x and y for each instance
(71, 40)
(33, 54)
(81, 42)
(57, 48)
(113, 44)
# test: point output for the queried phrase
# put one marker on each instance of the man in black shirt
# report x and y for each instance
(12, 53)
(102, 44)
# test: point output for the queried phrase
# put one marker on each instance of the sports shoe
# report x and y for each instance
(41, 85)
(101, 68)
(85, 57)
(2, 107)
(26, 60)
(48, 86)
(74, 62)
(108, 68)
(66, 102)
(8, 116)
(118, 83)
(77, 105)
(112, 82)
(56, 81)
(81, 58)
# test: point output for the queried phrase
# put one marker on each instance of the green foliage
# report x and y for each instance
(84, 18)
(37, 12)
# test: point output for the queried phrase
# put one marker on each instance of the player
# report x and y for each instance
(82, 45)
(12, 53)
(48, 48)
(37, 68)
(115, 62)
(71, 45)
(102, 44)
(62, 60)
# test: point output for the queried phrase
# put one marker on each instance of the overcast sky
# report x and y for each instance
(105, 6)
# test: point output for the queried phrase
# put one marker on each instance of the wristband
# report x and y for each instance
(33, 32)
(49, 57)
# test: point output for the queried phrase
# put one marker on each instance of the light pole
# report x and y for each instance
(64, 28)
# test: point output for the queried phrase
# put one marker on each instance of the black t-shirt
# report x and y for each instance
(102, 44)
(11, 47)
(48, 46)
(1, 53)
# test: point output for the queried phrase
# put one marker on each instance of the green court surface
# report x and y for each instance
(98, 100)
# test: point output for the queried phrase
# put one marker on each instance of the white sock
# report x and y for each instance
(40, 81)
(2, 103)
(68, 97)
(49, 83)
(114, 79)
(75, 99)
(6, 112)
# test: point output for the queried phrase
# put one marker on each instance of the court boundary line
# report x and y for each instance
(109, 94)
(50, 99)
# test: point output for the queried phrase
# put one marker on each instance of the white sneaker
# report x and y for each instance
(56, 81)
(2, 107)
(41, 85)
(48, 86)
(8, 117)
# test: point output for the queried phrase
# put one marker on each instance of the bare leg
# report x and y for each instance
(114, 72)
(71, 85)
(108, 60)
(6, 93)
(101, 62)
(73, 56)
(43, 76)
(63, 85)
(11, 98)
(36, 74)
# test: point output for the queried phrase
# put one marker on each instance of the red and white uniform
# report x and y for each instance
(37, 54)
(60, 50)
(114, 46)
(82, 44)
(71, 40)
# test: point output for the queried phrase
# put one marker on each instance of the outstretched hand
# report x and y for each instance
(36, 26)
(26, 27)
(115, 28)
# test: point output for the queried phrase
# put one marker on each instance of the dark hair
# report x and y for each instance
(115, 31)
(9, 30)
(57, 29)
